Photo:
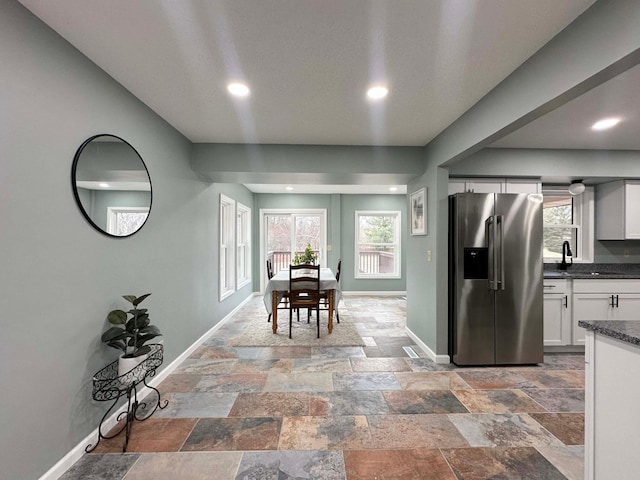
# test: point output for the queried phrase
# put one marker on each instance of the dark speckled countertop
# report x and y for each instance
(593, 271)
(625, 330)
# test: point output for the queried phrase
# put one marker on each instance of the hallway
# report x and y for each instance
(355, 413)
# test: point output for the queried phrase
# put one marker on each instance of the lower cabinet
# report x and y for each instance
(611, 408)
(604, 300)
(557, 314)
(566, 302)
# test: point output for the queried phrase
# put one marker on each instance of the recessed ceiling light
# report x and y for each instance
(393, 189)
(377, 92)
(288, 188)
(605, 123)
(238, 89)
(103, 185)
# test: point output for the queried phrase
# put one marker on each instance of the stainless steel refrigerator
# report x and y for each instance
(495, 279)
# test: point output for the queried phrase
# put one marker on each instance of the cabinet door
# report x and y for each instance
(631, 202)
(589, 306)
(627, 307)
(522, 186)
(457, 186)
(557, 326)
(489, 185)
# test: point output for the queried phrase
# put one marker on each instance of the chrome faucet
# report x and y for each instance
(566, 252)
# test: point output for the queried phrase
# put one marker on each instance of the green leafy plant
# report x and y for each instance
(131, 334)
(309, 257)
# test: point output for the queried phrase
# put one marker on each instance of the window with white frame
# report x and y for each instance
(377, 244)
(227, 246)
(243, 245)
(123, 221)
(568, 218)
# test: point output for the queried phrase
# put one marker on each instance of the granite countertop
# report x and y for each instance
(593, 271)
(625, 330)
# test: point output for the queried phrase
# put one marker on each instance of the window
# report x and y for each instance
(243, 246)
(123, 221)
(287, 232)
(567, 218)
(377, 244)
(227, 246)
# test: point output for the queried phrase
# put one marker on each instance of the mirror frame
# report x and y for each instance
(74, 186)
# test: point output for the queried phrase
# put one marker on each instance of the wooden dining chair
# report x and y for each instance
(285, 295)
(304, 291)
(324, 295)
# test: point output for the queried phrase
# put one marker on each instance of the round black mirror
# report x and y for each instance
(112, 185)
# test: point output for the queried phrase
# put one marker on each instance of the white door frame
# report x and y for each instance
(291, 211)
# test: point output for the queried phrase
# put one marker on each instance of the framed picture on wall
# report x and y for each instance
(418, 209)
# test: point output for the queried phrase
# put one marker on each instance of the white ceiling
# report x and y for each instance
(570, 125)
(308, 64)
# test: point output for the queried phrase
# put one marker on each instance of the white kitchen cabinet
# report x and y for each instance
(494, 185)
(611, 408)
(457, 185)
(607, 299)
(617, 210)
(557, 313)
(520, 185)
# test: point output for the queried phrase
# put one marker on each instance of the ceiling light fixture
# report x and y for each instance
(238, 89)
(288, 188)
(103, 185)
(605, 123)
(377, 92)
(393, 189)
(576, 187)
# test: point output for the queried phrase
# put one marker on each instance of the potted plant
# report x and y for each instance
(309, 257)
(130, 335)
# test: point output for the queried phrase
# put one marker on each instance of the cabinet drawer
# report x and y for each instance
(606, 286)
(554, 286)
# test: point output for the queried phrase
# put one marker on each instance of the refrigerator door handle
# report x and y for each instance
(490, 232)
(500, 229)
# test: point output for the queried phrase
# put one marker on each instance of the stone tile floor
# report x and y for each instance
(355, 413)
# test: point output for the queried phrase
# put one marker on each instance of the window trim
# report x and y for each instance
(227, 284)
(112, 217)
(583, 214)
(264, 212)
(242, 209)
(397, 218)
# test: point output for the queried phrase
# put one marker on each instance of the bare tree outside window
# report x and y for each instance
(559, 225)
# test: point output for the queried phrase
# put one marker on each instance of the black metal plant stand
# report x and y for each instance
(108, 385)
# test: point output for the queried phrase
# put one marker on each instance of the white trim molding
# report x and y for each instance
(78, 451)
(441, 359)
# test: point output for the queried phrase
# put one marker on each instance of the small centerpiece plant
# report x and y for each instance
(309, 257)
(131, 335)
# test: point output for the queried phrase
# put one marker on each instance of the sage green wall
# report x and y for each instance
(427, 280)
(340, 230)
(60, 277)
(311, 164)
(352, 203)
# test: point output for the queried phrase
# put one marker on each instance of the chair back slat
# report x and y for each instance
(338, 270)
(269, 269)
(304, 285)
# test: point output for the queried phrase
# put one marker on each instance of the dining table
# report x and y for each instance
(278, 285)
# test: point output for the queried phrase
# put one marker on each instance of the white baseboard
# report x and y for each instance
(385, 293)
(425, 348)
(77, 452)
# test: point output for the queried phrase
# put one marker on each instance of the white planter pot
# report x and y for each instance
(125, 365)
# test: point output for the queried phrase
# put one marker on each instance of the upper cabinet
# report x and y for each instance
(617, 210)
(494, 185)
